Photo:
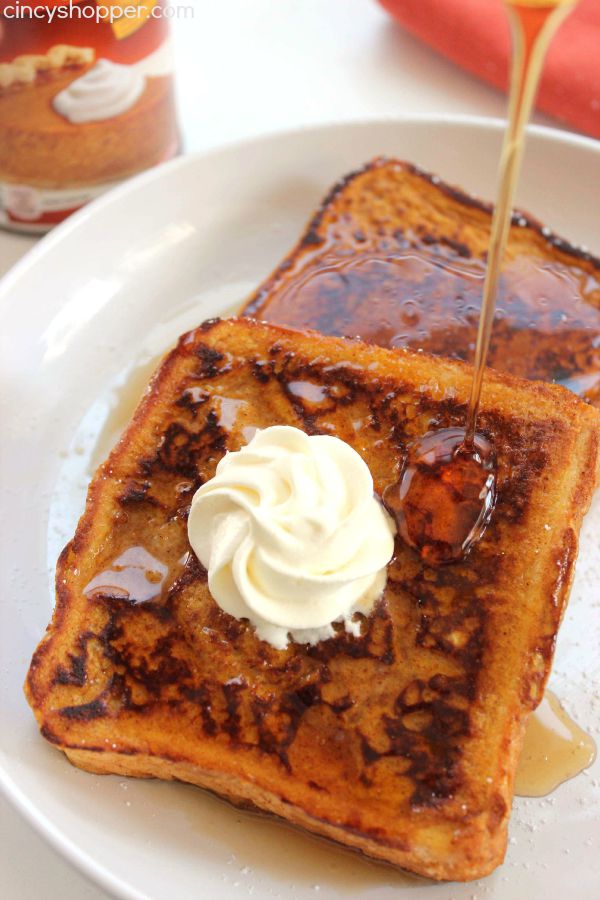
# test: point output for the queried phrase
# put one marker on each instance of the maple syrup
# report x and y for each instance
(555, 749)
(445, 494)
(533, 24)
(547, 325)
(136, 575)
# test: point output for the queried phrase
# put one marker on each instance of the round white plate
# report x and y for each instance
(114, 286)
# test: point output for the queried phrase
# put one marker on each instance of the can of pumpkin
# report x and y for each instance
(86, 100)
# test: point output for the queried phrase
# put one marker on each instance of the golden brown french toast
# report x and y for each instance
(396, 256)
(401, 743)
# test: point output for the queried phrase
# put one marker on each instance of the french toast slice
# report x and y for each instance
(397, 257)
(401, 743)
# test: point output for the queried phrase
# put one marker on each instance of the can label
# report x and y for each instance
(84, 104)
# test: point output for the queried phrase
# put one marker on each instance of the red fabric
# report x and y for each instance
(475, 35)
(46, 218)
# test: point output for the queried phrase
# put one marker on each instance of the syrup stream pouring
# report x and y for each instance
(446, 492)
(533, 25)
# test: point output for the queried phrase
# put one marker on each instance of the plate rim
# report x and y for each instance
(131, 185)
(21, 803)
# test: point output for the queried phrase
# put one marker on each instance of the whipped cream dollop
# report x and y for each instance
(106, 90)
(292, 535)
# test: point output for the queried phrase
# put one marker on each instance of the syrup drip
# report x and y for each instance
(443, 499)
(555, 749)
(445, 495)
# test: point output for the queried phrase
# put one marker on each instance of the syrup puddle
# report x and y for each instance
(136, 576)
(555, 749)
(308, 391)
(547, 317)
(228, 411)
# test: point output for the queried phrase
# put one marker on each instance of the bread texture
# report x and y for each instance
(396, 256)
(401, 743)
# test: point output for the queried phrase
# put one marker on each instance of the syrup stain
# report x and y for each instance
(555, 749)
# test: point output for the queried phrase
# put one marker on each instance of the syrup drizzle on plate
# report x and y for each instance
(555, 749)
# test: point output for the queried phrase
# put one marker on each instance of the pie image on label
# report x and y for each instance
(83, 105)
(43, 144)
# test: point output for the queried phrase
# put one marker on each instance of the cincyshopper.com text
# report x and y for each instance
(97, 12)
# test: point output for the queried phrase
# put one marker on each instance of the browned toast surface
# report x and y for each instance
(401, 743)
(396, 256)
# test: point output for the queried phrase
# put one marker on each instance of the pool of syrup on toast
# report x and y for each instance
(400, 294)
(445, 496)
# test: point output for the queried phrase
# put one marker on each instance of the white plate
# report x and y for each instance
(118, 283)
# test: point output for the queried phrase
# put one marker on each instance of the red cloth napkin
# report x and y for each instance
(475, 35)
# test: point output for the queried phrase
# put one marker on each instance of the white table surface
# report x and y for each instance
(248, 67)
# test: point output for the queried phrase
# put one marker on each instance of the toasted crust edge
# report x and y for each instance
(479, 850)
(311, 236)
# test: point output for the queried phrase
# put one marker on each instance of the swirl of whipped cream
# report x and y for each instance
(106, 90)
(292, 535)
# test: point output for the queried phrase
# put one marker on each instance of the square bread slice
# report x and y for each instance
(397, 257)
(401, 743)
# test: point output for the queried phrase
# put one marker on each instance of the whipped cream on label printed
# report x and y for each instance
(108, 89)
(292, 535)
